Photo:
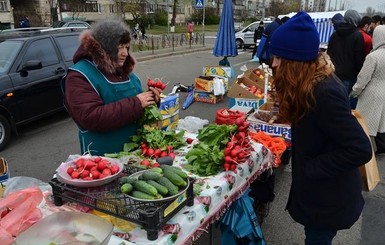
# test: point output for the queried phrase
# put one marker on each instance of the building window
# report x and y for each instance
(3, 6)
(83, 6)
(111, 8)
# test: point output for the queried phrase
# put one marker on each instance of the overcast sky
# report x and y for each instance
(359, 5)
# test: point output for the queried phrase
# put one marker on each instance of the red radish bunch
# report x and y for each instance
(92, 168)
(156, 84)
(238, 148)
(155, 154)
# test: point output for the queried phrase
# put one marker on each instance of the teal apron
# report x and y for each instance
(98, 143)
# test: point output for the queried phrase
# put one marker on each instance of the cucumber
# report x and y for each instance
(126, 179)
(177, 170)
(142, 186)
(126, 188)
(158, 170)
(161, 189)
(142, 195)
(172, 189)
(174, 178)
(150, 175)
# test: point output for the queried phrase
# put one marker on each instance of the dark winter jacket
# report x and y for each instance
(328, 147)
(258, 33)
(347, 51)
(95, 115)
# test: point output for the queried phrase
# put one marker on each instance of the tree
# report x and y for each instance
(172, 23)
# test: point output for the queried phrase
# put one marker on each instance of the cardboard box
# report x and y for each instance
(274, 129)
(4, 171)
(206, 97)
(169, 108)
(204, 83)
(220, 71)
(260, 80)
(246, 103)
(238, 91)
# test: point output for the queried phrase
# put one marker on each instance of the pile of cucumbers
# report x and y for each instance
(155, 183)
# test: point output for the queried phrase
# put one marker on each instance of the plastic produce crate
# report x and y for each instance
(109, 199)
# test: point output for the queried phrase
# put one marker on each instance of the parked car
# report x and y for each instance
(245, 37)
(31, 69)
(72, 23)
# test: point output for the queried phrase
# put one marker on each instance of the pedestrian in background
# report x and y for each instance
(190, 30)
(370, 89)
(142, 28)
(328, 143)
(257, 36)
(365, 27)
(336, 20)
(377, 20)
(101, 92)
(346, 49)
(263, 52)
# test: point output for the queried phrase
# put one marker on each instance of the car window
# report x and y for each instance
(253, 26)
(42, 49)
(68, 45)
(8, 51)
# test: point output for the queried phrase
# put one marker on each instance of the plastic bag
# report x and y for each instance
(219, 86)
(20, 210)
(22, 182)
(192, 124)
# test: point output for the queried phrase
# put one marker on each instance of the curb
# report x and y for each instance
(166, 54)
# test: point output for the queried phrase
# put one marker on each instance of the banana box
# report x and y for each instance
(169, 108)
(220, 71)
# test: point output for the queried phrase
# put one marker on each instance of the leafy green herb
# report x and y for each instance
(151, 115)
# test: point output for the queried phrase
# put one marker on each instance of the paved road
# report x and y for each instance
(40, 148)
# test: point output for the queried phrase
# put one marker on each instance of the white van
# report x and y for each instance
(245, 37)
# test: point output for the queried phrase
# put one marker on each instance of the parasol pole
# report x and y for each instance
(203, 21)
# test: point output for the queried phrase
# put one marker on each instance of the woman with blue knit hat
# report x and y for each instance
(328, 143)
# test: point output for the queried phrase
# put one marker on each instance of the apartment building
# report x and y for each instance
(44, 12)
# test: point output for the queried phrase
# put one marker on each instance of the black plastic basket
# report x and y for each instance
(109, 199)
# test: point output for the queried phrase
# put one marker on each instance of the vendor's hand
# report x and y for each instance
(146, 98)
(156, 92)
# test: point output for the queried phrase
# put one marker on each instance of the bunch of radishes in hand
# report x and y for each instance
(238, 148)
(92, 168)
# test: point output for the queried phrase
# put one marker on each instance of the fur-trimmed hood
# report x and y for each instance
(92, 50)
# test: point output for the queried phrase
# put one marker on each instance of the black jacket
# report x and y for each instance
(347, 51)
(258, 33)
(328, 147)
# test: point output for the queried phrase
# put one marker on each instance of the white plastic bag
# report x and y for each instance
(192, 124)
(219, 86)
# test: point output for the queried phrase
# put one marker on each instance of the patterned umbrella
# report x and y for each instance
(225, 44)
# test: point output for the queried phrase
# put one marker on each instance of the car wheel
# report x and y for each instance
(239, 43)
(5, 132)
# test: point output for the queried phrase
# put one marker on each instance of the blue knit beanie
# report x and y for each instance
(297, 39)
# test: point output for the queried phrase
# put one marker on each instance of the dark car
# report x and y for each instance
(31, 69)
(72, 23)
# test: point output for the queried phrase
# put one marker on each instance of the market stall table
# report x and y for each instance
(215, 196)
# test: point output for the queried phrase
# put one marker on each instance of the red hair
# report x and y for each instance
(294, 82)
